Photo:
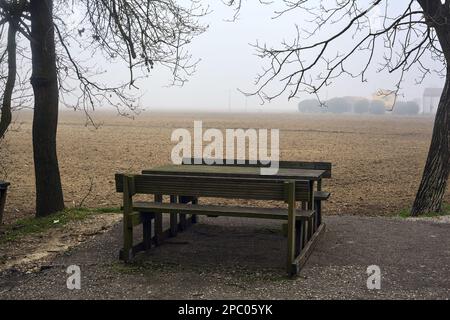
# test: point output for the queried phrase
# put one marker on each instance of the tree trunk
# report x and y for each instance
(49, 195)
(434, 182)
(6, 118)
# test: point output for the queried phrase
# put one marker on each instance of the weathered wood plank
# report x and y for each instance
(310, 228)
(224, 211)
(183, 218)
(215, 187)
(134, 219)
(158, 222)
(147, 230)
(291, 223)
(301, 260)
(322, 195)
(142, 247)
(237, 172)
(326, 166)
(133, 251)
(298, 237)
(173, 218)
(194, 217)
(127, 221)
(318, 213)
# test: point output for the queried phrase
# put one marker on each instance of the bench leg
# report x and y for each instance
(304, 234)
(158, 229)
(183, 222)
(298, 237)
(310, 229)
(318, 207)
(147, 230)
(308, 249)
(126, 254)
(158, 223)
(183, 217)
(291, 246)
(173, 219)
(194, 217)
(291, 227)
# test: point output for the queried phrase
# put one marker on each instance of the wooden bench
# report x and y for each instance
(319, 195)
(303, 230)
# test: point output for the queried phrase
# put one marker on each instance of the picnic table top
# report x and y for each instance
(236, 172)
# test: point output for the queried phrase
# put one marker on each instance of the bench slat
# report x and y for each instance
(215, 187)
(326, 166)
(225, 211)
(321, 196)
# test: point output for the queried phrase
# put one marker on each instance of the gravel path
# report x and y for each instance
(238, 259)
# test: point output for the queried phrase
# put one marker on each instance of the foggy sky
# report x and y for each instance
(229, 62)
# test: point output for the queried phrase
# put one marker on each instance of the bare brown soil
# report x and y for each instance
(33, 252)
(377, 160)
(377, 167)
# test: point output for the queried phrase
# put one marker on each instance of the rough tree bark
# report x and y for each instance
(432, 189)
(6, 118)
(49, 195)
(434, 181)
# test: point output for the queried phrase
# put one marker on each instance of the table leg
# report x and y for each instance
(158, 222)
(319, 214)
(313, 206)
(298, 237)
(183, 221)
(194, 216)
(318, 208)
(146, 219)
(173, 219)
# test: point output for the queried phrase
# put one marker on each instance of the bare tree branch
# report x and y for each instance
(141, 34)
(308, 65)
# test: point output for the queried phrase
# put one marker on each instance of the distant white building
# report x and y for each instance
(431, 98)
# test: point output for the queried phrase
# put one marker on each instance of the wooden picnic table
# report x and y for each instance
(315, 176)
(185, 184)
(237, 172)
(303, 226)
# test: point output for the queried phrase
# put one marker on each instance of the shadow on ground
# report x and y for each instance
(244, 259)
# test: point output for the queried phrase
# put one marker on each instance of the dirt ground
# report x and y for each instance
(377, 160)
(377, 167)
(228, 258)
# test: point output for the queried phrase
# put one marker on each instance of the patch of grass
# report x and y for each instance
(106, 210)
(34, 225)
(406, 213)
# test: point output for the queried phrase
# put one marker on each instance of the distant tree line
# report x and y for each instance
(358, 106)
